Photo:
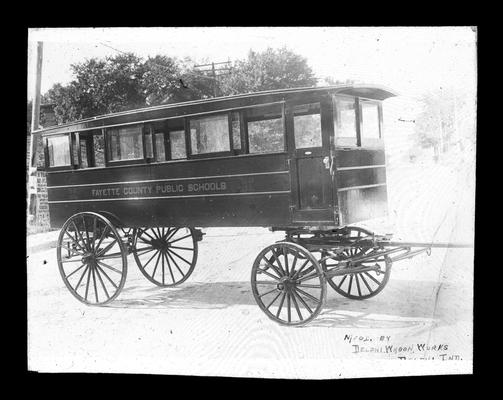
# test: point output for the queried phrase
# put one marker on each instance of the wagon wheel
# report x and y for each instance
(166, 256)
(92, 258)
(361, 285)
(288, 283)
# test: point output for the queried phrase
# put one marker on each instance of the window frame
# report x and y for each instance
(337, 122)
(188, 137)
(283, 117)
(131, 161)
(47, 157)
(379, 123)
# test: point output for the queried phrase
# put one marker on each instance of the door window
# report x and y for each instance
(307, 126)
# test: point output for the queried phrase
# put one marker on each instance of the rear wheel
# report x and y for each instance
(92, 258)
(165, 256)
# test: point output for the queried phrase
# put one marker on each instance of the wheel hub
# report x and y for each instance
(286, 284)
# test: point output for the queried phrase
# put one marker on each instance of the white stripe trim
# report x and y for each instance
(170, 197)
(360, 187)
(168, 180)
(361, 167)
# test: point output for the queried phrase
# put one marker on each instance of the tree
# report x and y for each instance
(268, 70)
(125, 82)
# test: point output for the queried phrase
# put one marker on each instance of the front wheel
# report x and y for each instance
(288, 284)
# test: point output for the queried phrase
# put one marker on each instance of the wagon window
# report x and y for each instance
(265, 129)
(346, 123)
(59, 150)
(84, 162)
(236, 131)
(149, 150)
(126, 143)
(160, 153)
(210, 134)
(370, 134)
(177, 144)
(307, 125)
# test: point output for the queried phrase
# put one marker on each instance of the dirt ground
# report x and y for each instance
(210, 325)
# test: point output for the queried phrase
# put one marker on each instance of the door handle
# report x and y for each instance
(326, 161)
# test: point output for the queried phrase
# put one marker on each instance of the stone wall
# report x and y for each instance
(41, 222)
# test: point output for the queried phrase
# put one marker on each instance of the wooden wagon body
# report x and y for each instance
(304, 178)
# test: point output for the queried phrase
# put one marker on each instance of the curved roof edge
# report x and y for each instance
(371, 91)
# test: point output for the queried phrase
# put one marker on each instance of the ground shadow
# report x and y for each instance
(400, 304)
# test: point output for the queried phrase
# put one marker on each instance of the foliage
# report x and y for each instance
(126, 81)
(269, 70)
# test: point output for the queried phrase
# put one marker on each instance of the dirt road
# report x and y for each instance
(210, 325)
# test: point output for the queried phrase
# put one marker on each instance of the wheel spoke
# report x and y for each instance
(307, 295)
(102, 284)
(365, 282)
(309, 286)
(292, 271)
(162, 263)
(175, 230)
(95, 288)
(342, 281)
(274, 268)
(108, 247)
(108, 266)
(285, 256)
(181, 248)
(145, 250)
(80, 236)
(268, 274)
(79, 268)
(156, 263)
(183, 237)
(176, 264)
(106, 276)
(358, 285)
(266, 283)
(145, 232)
(280, 266)
(145, 266)
(88, 280)
(371, 277)
(169, 267)
(180, 257)
(296, 306)
(81, 277)
(266, 293)
(87, 232)
(102, 237)
(300, 269)
(273, 300)
(95, 222)
(288, 307)
(350, 283)
(302, 301)
(112, 255)
(308, 277)
(281, 305)
(74, 240)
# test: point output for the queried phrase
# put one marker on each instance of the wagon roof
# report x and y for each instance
(376, 92)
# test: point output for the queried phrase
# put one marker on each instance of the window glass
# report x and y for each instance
(75, 148)
(210, 134)
(370, 124)
(307, 126)
(84, 162)
(236, 131)
(160, 154)
(346, 124)
(149, 150)
(126, 143)
(177, 144)
(59, 150)
(98, 149)
(265, 129)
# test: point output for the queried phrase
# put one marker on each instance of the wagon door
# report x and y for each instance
(309, 126)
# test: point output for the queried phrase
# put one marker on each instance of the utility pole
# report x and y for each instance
(214, 76)
(35, 119)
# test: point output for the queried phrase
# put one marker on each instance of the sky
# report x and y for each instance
(411, 60)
